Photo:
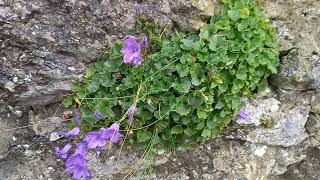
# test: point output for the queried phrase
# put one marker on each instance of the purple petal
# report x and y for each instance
(132, 110)
(77, 120)
(76, 160)
(78, 172)
(99, 142)
(76, 112)
(115, 126)
(116, 137)
(63, 153)
(243, 114)
(98, 115)
(82, 148)
(138, 9)
(75, 131)
(144, 42)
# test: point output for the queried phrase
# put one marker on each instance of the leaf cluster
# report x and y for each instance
(194, 82)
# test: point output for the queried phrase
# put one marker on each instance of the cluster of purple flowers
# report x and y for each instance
(132, 50)
(76, 163)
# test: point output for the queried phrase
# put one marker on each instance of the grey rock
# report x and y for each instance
(46, 44)
(287, 130)
(298, 34)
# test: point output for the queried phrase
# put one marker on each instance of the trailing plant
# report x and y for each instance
(180, 87)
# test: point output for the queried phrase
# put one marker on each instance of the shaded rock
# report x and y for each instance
(11, 121)
(313, 129)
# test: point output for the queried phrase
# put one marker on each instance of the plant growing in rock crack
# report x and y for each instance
(174, 89)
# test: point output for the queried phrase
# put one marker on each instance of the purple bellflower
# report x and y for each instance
(82, 148)
(112, 133)
(243, 114)
(138, 9)
(95, 140)
(77, 165)
(76, 112)
(63, 153)
(73, 132)
(77, 120)
(132, 50)
(132, 110)
(98, 115)
(144, 42)
(78, 172)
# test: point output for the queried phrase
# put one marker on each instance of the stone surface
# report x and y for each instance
(45, 44)
(298, 33)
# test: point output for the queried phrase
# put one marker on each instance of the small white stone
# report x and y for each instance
(71, 68)
(14, 138)
(15, 79)
(26, 145)
(260, 151)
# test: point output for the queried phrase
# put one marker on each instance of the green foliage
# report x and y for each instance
(193, 81)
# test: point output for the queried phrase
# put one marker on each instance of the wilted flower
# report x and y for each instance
(112, 133)
(98, 115)
(132, 50)
(138, 9)
(132, 110)
(243, 114)
(63, 153)
(75, 131)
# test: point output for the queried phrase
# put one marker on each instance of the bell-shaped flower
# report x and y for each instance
(64, 152)
(73, 132)
(112, 133)
(95, 140)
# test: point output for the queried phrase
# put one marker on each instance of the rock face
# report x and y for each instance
(299, 38)
(47, 43)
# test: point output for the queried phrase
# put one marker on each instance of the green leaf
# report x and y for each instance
(68, 102)
(182, 70)
(182, 109)
(202, 114)
(143, 135)
(90, 72)
(234, 14)
(187, 44)
(177, 130)
(207, 30)
(206, 133)
(183, 86)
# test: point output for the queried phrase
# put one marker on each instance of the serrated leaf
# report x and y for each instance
(206, 133)
(202, 114)
(90, 72)
(234, 14)
(183, 86)
(177, 130)
(143, 135)
(182, 109)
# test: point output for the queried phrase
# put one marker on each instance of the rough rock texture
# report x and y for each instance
(299, 37)
(46, 43)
